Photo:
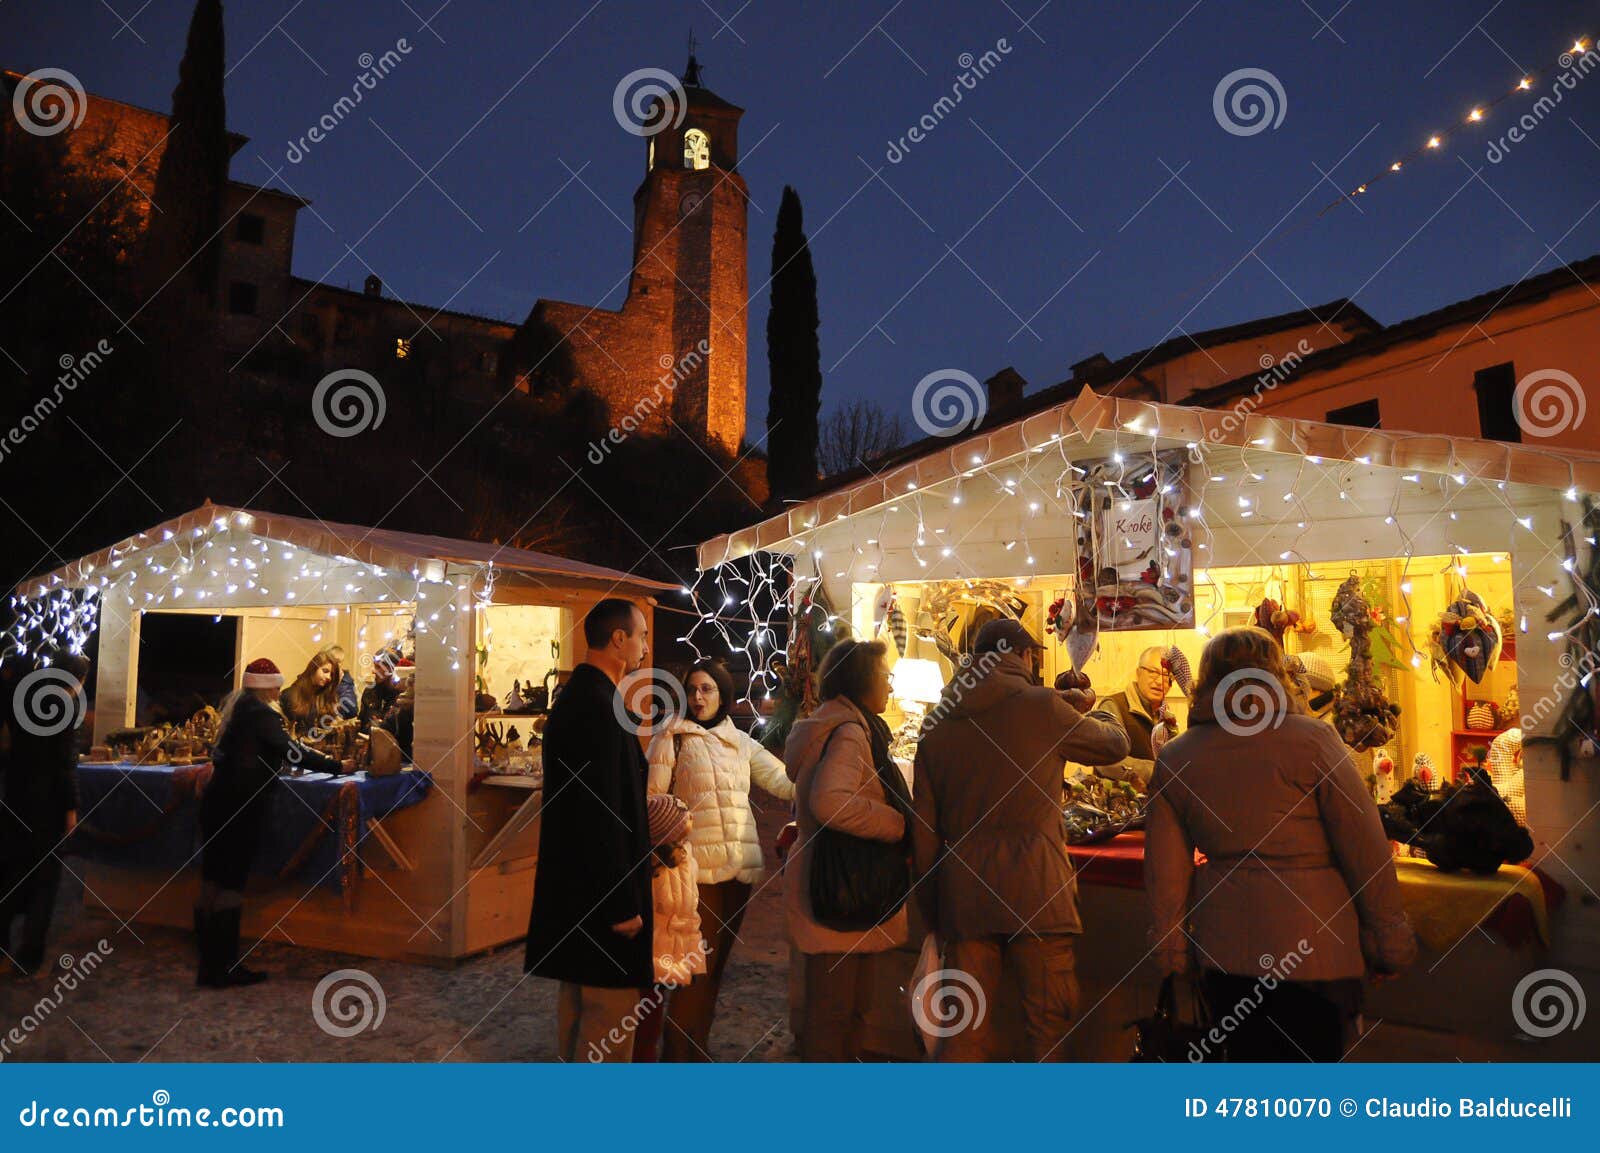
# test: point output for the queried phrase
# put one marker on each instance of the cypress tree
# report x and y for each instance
(794, 358)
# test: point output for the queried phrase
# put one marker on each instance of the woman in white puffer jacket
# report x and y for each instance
(709, 763)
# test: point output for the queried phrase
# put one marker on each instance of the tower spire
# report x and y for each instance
(691, 74)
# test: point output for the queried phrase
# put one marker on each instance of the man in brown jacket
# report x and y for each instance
(993, 877)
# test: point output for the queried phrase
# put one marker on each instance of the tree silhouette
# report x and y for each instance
(794, 358)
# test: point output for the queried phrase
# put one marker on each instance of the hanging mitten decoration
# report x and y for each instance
(897, 625)
(1469, 636)
(1177, 664)
(1083, 634)
(1362, 715)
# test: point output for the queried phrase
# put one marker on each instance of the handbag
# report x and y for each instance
(856, 884)
(1162, 1036)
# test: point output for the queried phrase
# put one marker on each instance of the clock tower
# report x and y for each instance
(674, 356)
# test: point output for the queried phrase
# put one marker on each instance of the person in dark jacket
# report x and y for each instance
(378, 699)
(252, 744)
(43, 710)
(591, 923)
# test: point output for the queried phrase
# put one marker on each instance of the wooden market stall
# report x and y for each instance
(435, 862)
(1180, 521)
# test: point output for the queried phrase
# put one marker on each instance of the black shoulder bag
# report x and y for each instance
(1163, 1036)
(855, 883)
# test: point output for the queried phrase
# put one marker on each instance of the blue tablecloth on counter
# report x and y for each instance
(147, 817)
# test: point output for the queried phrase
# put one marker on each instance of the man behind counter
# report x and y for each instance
(1139, 707)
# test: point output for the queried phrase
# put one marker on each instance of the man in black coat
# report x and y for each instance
(591, 928)
(253, 742)
(42, 712)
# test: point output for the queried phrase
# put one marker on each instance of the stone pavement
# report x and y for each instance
(141, 1002)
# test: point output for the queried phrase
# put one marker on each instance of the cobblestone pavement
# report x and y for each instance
(141, 1003)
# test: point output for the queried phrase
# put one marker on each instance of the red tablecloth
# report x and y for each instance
(1119, 863)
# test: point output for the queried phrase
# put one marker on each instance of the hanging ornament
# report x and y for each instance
(1468, 636)
(1362, 715)
(1174, 661)
(1275, 619)
(1083, 634)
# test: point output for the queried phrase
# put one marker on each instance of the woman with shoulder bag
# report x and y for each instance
(852, 804)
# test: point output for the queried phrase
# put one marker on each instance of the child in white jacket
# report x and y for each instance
(679, 951)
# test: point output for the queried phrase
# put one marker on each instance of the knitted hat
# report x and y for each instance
(669, 819)
(261, 673)
(1319, 674)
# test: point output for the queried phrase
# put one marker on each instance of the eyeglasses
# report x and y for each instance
(1155, 672)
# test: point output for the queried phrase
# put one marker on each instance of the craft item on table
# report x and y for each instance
(1097, 808)
(1505, 773)
(1465, 641)
(485, 703)
(1275, 619)
(515, 701)
(1423, 772)
(1481, 715)
(1466, 826)
(1511, 711)
(1362, 715)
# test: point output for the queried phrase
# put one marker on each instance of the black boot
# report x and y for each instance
(226, 971)
(202, 947)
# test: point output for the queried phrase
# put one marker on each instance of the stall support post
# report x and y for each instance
(443, 735)
(1544, 683)
(114, 687)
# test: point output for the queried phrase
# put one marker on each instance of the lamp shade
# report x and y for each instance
(917, 681)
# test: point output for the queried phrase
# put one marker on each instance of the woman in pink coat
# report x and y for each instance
(834, 757)
(1297, 900)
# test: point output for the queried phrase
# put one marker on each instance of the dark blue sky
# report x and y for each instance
(1121, 92)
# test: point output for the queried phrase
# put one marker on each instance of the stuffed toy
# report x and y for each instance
(1466, 826)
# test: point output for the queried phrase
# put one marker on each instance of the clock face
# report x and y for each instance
(696, 149)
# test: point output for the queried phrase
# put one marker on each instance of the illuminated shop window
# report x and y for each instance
(402, 348)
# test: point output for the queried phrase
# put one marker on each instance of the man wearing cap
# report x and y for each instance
(993, 879)
(1138, 708)
(252, 745)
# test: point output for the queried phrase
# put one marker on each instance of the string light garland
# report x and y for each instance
(182, 569)
(1579, 50)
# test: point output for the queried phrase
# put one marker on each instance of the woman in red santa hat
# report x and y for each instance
(252, 744)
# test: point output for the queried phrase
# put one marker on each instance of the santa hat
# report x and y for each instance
(261, 673)
(669, 818)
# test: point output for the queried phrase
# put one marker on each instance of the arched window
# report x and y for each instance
(696, 149)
